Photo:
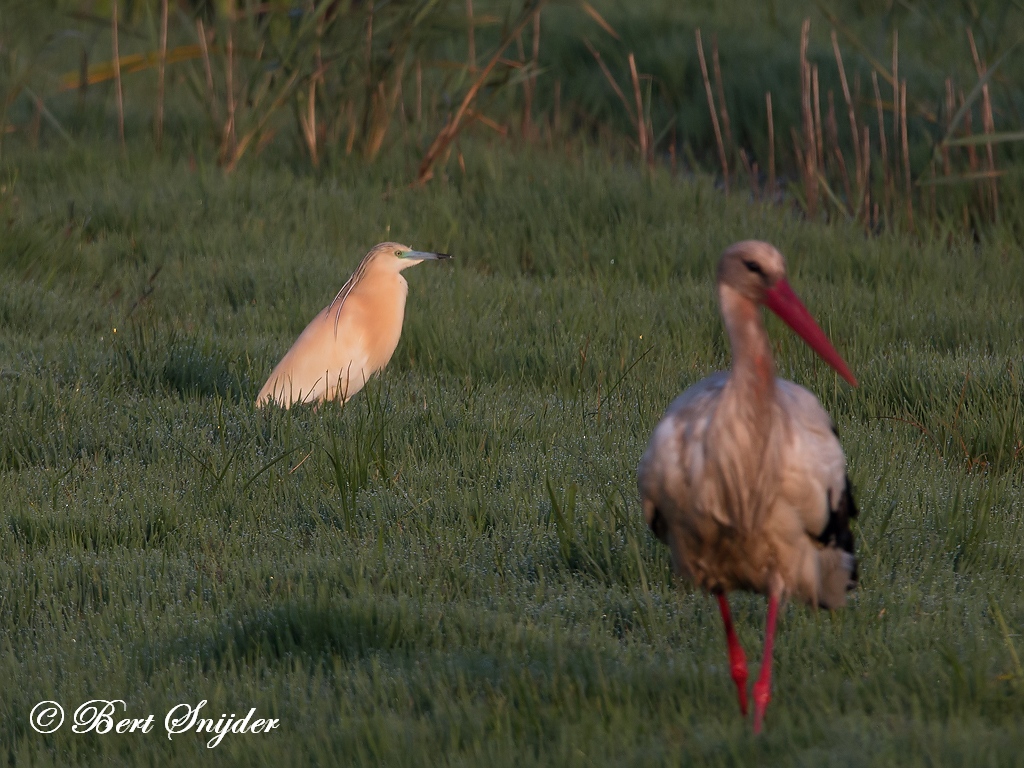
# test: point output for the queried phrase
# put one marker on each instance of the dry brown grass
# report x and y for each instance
(356, 79)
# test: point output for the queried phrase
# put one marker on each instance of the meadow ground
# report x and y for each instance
(453, 569)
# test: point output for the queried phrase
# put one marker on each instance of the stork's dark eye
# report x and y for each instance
(754, 267)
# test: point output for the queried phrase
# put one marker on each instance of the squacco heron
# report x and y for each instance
(353, 338)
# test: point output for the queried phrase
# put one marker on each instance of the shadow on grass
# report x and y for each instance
(190, 367)
(351, 629)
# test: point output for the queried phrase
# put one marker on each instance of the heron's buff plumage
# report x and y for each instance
(350, 340)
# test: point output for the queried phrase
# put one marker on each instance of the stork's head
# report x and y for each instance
(398, 257)
(752, 268)
(757, 271)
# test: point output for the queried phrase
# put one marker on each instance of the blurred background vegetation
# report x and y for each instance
(889, 113)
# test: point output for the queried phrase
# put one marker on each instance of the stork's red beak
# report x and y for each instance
(787, 305)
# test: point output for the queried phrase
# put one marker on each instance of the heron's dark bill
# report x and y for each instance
(426, 255)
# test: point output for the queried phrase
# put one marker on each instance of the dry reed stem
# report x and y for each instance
(806, 151)
(968, 120)
(370, 86)
(805, 84)
(419, 91)
(556, 118)
(484, 120)
(987, 123)
(823, 183)
(43, 114)
(161, 68)
(643, 137)
(37, 121)
(117, 74)
(400, 100)
(864, 50)
(931, 207)
(962, 177)
(858, 162)
(714, 116)
(950, 110)
(83, 75)
(864, 196)
(380, 116)
(832, 128)
(536, 48)
(243, 144)
(611, 80)
(799, 154)
(384, 107)
(454, 124)
(471, 34)
(353, 127)
(208, 69)
(228, 138)
(527, 96)
(886, 174)
(723, 109)
(307, 122)
(819, 144)
(906, 154)
(895, 102)
(771, 144)
(751, 171)
(589, 10)
(530, 82)
(990, 129)
(333, 129)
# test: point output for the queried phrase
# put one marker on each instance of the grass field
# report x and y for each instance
(407, 593)
(453, 569)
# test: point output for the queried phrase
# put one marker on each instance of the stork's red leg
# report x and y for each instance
(763, 686)
(737, 660)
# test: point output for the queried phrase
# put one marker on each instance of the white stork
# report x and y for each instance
(744, 478)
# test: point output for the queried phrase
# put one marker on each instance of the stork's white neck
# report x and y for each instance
(753, 370)
(741, 431)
